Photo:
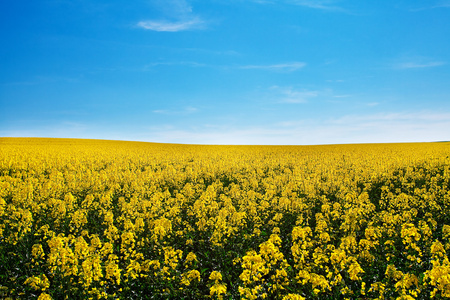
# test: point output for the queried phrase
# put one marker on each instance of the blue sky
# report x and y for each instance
(291, 72)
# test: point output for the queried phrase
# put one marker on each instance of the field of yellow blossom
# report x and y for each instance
(95, 219)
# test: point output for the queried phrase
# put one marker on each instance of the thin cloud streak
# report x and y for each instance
(441, 4)
(419, 65)
(176, 7)
(325, 5)
(290, 95)
(295, 95)
(166, 26)
(415, 62)
(178, 10)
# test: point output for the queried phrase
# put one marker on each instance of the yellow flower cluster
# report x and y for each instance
(264, 273)
(90, 219)
(218, 289)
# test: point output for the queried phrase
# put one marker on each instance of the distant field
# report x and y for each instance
(128, 220)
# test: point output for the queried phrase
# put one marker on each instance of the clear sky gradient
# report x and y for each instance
(291, 72)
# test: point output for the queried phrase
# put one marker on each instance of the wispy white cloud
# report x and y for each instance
(395, 127)
(317, 4)
(176, 7)
(418, 65)
(405, 62)
(289, 94)
(444, 3)
(286, 67)
(168, 26)
(179, 18)
(295, 94)
(430, 5)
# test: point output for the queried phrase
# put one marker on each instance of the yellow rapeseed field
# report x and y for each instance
(93, 219)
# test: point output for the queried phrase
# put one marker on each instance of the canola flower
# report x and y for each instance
(91, 219)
